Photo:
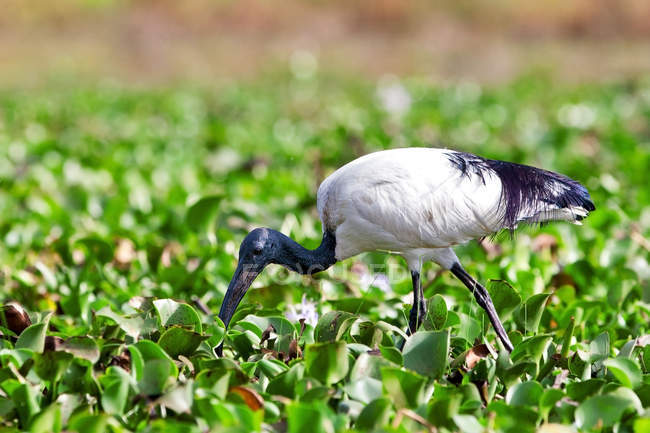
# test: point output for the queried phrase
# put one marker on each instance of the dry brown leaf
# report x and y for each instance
(123, 360)
(475, 354)
(124, 252)
(294, 350)
(266, 334)
(252, 399)
(562, 279)
(53, 343)
(171, 250)
(14, 317)
(544, 241)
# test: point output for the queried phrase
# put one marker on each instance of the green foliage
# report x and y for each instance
(121, 211)
(426, 352)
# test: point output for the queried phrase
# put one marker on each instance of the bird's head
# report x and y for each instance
(256, 251)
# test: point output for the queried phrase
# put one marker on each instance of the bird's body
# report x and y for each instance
(419, 203)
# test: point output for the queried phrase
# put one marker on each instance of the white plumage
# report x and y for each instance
(416, 202)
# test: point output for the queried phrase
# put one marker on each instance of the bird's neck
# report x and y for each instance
(299, 259)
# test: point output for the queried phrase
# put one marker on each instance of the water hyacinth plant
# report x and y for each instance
(121, 211)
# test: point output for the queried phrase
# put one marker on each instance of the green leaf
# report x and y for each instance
(368, 365)
(314, 417)
(97, 248)
(216, 331)
(375, 415)
(137, 362)
(531, 348)
(427, 353)
(202, 214)
(468, 424)
(271, 367)
(365, 389)
(530, 313)
(513, 418)
(549, 399)
(179, 399)
(33, 337)
(172, 313)
(646, 358)
(151, 350)
(525, 394)
(630, 396)
(114, 396)
(281, 325)
(392, 354)
(157, 376)
(566, 340)
(369, 334)
(504, 297)
(626, 371)
(437, 311)
(157, 371)
(132, 325)
(285, 383)
(83, 422)
(333, 325)
(25, 399)
(387, 327)
(404, 388)
(599, 349)
(47, 421)
(512, 374)
(469, 328)
(627, 349)
(601, 410)
(82, 347)
(580, 390)
(180, 341)
(50, 365)
(327, 362)
(444, 406)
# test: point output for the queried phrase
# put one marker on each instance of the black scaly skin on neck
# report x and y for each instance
(297, 258)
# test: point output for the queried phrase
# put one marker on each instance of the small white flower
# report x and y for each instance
(305, 310)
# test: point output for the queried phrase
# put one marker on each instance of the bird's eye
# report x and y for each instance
(257, 251)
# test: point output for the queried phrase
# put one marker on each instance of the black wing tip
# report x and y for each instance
(584, 199)
(523, 185)
(589, 205)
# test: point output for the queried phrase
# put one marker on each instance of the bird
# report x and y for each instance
(418, 203)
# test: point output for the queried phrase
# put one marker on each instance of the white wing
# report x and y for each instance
(403, 199)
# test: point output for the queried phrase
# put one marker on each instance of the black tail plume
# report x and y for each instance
(527, 191)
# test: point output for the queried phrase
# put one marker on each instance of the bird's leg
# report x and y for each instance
(418, 310)
(483, 299)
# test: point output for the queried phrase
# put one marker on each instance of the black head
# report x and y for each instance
(256, 251)
(258, 247)
(263, 246)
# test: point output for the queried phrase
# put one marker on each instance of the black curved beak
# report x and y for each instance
(241, 281)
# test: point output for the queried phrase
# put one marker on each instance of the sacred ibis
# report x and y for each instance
(418, 203)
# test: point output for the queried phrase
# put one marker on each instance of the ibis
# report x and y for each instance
(418, 203)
